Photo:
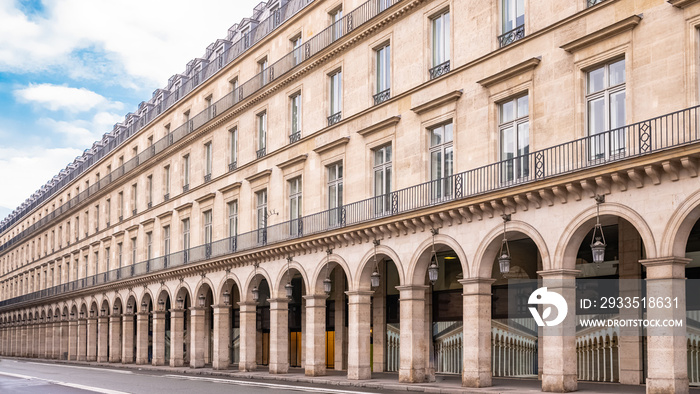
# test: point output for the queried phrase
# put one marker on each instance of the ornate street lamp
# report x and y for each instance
(72, 315)
(433, 268)
(92, 313)
(161, 304)
(115, 310)
(255, 291)
(82, 314)
(201, 299)
(504, 259)
(288, 288)
(327, 281)
(374, 278)
(103, 312)
(227, 298)
(180, 302)
(598, 242)
(144, 307)
(129, 309)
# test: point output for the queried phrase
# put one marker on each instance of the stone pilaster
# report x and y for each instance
(73, 340)
(177, 323)
(142, 338)
(41, 351)
(359, 327)
(379, 328)
(247, 349)
(82, 339)
(102, 339)
(115, 339)
(127, 338)
(197, 337)
(476, 351)
(413, 346)
(666, 346)
(48, 347)
(56, 339)
(279, 335)
(158, 338)
(340, 359)
(222, 336)
(92, 339)
(316, 335)
(559, 342)
(630, 338)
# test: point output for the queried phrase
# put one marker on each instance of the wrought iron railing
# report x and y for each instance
(335, 118)
(638, 139)
(382, 96)
(294, 137)
(232, 166)
(439, 70)
(511, 36)
(260, 152)
(317, 43)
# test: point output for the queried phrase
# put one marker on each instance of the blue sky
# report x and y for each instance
(70, 69)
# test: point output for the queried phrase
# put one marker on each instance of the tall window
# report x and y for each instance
(383, 74)
(336, 17)
(133, 250)
(233, 154)
(207, 232)
(96, 260)
(166, 240)
(149, 245)
(97, 218)
(605, 107)
(296, 49)
(108, 211)
(335, 193)
(262, 66)
(295, 110)
(166, 183)
(262, 134)
(120, 197)
(336, 97)
(186, 238)
(512, 21)
(382, 179)
(107, 268)
(207, 162)
(120, 251)
(261, 213)
(440, 45)
(149, 190)
(233, 223)
(134, 199)
(185, 173)
(514, 131)
(295, 206)
(441, 160)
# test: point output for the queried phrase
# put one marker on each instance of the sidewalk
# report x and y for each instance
(380, 381)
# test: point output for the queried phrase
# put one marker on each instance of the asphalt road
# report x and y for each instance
(36, 377)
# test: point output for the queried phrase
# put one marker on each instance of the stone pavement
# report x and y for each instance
(379, 381)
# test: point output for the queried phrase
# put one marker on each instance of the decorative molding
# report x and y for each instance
(520, 68)
(602, 34)
(292, 161)
(184, 207)
(228, 188)
(107, 238)
(95, 244)
(386, 123)
(165, 215)
(682, 3)
(339, 142)
(148, 222)
(437, 102)
(259, 175)
(205, 198)
(132, 228)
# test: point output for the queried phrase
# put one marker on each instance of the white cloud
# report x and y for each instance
(55, 97)
(26, 170)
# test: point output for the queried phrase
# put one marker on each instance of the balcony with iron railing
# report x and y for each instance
(511, 36)
(294, 137)
(661, 133)
(353, 20)
(382, 96)
(439, 70)
(335, 118)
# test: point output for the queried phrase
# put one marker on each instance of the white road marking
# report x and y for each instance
(90, 368)
(268, 385)
(73, 385)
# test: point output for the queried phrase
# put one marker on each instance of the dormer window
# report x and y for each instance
(220, 56)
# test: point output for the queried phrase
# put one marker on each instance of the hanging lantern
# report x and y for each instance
(144, 307)
(82, 314)
(72, 315)
(180, 302)
(115, 309)
(288, 288)
(92, 313)
(433, 269)
(375, 277)
(598, 241)
(129, 309)
(504, 258)
(103, 312)
(201, 300)
(161, 305)
(327, 282)
(327, 286)
(256, 293)
(227, 297)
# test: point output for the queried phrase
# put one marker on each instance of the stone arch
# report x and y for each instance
(681, 222)
(183, 289)
(318, 275)
(282, 278)
(223, 285)
(131, 300)
(94, 307)
(202, 282)
(246, 293)
(574, 233)
(105, 305)
(420, 261)
(490, 246)
(117, 305)
(161, 291)
(146, 297)
(364, 270)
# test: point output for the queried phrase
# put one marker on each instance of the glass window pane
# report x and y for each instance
(446, 38)
(523, 139)
(387, 180)
(387, 156)
(378, 182)
(596, 116)
(617, 110)
(617, 73)
(520, 12)
(522, 106)
(507, 144)
(340, 171)
(436, 136)
(596, 80)
(378, 157)
(507, 112)
(508, 22)
(449, 162)
(332, 197)
(448, 132)
(435, 165)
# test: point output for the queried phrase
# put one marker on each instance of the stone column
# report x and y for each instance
(82, 339)
(41, 351)
(340, 360)
(247, 341)
(413, 347)
(177, 324)
(667, 346)
(222, 337)
(92, 339)
(65, 340)
(31, 338)
(630, 272)
(56, 339)
(115, 339)
(279, 335)
(197, 337)
(379, 328)
(158, 338)
(359, 326)
(127, 338)
(48, 348)
(476, 351)
(102, 339)
(316, 334)
(559, 342)
(23, 343)
(73, 340)
(142, 338)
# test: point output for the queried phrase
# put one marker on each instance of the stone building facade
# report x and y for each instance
(238, 218)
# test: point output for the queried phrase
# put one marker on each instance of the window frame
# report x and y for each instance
(516, 168)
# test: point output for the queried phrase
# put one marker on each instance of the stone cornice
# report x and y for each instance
(148, 222)
(259, 175)
(437, 102)
(184, 207)
(333, 144)
(132, 228)
(682, 3)
(165, 215)
(107, 238)
(205, 198)
(379, 126)
(228, 188)
(96, 243)
(520, 68)
(292, 161)
(624, 25)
